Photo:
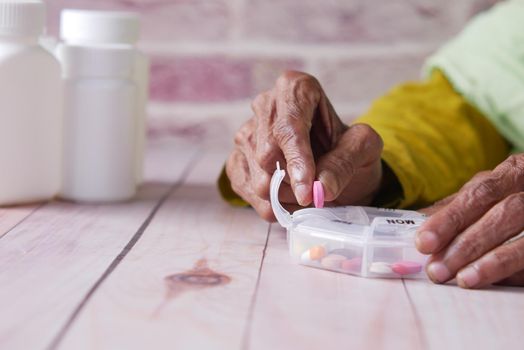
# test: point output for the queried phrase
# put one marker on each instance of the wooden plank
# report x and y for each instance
(299, 307)
(188, 283)
(454, 318)
(51, 261)
(10, 217)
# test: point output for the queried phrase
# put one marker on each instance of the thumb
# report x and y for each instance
(358, 147)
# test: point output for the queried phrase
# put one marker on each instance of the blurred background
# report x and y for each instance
(211, 57)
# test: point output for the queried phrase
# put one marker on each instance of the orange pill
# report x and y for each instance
(317, 252)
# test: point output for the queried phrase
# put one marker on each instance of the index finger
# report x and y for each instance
(297, 99)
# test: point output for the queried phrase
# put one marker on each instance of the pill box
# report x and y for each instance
(361, 241)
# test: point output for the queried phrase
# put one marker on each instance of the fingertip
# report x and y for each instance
(427, 242)
(438, 272)
(303, 193)
(468, 278)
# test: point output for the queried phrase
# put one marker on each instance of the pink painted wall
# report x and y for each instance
(210, 57)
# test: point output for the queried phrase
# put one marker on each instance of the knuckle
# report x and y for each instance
(284, 132)
(340, 165)
(245, 134)
(486, 190)
(292, 77)
(296, 161)
(261, 187)
(469, 248)
(456, 219)
(260, 104)
(515, 160)
(506, 259)
(266, 156)
(300, 86)
(514, 165)
(371, 139)
(481, 175)
(514, 201)
(239, 139)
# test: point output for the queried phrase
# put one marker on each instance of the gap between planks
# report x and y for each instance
(55, 343)
(418, 321)
(26, 214)
(307, 308)
(189, 281)
(249, 319)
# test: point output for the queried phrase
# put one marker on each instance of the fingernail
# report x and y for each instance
(438, 272)
(468, 278)
(303, 194)
(427, 241)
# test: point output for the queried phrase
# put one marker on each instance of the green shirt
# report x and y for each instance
(485, 64)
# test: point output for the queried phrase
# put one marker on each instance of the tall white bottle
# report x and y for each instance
(100, 123)
(30, 107)
(111, 29)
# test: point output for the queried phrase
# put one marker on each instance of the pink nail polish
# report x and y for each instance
(318, 194)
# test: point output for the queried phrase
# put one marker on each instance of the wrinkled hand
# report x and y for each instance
(468, 232)
(295, 124)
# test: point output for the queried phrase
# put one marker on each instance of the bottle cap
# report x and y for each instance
(22, 17)
(99, 27)
(96, 62)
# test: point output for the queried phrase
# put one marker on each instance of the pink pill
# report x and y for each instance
(406, 267)
(318, 194)
(352, 265)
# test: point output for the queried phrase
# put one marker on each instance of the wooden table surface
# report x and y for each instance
(179, 269)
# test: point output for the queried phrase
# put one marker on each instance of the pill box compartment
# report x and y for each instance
(361, 241)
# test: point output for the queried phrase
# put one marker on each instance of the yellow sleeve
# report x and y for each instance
(434, 140)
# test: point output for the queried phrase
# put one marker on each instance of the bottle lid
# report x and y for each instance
(99, 27)
(96, 62)
(22, 17)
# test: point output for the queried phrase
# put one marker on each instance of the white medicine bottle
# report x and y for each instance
(30, 107)
(113, 30)
(99, 124)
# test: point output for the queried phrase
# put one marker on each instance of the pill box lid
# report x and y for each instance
(358, 225)
(283, 216)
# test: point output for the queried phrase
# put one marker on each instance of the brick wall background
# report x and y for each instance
(210, 57)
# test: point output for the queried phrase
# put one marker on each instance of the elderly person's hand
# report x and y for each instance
(295, 123)
(468, 233)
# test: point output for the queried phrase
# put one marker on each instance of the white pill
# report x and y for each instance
(305, 257)
(380, 268)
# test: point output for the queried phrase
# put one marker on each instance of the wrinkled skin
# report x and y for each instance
(294, 123)
(466, 232)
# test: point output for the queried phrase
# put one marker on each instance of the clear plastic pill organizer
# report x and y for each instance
(362, 241)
